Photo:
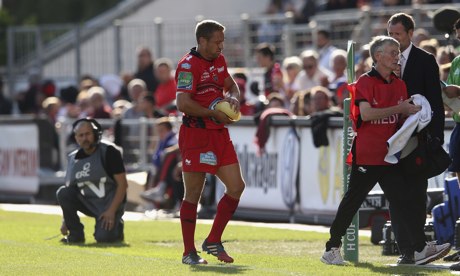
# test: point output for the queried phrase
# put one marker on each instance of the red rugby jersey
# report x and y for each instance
(204, 79)
(371, 140)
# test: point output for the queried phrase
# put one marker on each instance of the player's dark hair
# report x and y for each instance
(457, 24)
(406, 20)
(206, 29)
(324, 32)
(240, 75)
(266, 49)
(149, 99)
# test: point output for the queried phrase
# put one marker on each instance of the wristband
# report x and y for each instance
(212, 106)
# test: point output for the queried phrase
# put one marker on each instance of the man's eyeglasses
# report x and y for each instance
(393, 53)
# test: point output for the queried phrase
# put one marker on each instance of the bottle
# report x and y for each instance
(389, 246)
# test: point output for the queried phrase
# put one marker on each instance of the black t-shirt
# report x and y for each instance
(148, 76)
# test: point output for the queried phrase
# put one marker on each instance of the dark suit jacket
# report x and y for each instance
(421, 76)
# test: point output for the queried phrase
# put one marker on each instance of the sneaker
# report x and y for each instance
(193, 258)
(406, 259)
(216, 249)
(333, 257)
(455, 267)
(72, 239)
(454, 257)
(156, 194)
(431, 252)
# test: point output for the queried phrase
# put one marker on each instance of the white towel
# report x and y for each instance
(398, 144)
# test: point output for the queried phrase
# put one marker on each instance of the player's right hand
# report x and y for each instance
(409, 107)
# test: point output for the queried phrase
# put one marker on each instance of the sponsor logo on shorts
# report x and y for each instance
(185, 66)
(185, 80)
(208, 158)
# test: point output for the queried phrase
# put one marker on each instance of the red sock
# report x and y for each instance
(225, 209)
(188, 223)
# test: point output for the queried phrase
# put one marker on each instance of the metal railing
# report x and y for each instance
(138, 144)
(65, 52)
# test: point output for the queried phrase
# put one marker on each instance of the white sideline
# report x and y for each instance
(138, 216)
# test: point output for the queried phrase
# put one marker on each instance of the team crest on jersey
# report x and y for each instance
(205, 76)
(220, 69)
(185, 80)
(215, 78)
(208, 158)
(186, 66)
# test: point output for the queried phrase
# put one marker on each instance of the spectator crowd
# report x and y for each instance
(312, 83)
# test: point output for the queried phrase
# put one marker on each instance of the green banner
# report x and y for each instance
(350, 240)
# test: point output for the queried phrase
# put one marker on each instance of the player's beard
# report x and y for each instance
(87, 146)
(215, 54)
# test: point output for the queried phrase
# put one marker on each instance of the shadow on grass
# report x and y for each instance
(164, 242)
(403, 270)
(221, 269)
(103, 245)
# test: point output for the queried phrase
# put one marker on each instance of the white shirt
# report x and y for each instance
(303, 82)
(325, 56)
(404, 57)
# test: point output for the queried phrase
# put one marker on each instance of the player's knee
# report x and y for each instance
(103, 236)
(192, 195)
(236, 189)
(241, 187)
(63, 194)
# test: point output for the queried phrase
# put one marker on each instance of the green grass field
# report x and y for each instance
(29, 246)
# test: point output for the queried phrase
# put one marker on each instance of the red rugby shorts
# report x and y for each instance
(205, 150)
